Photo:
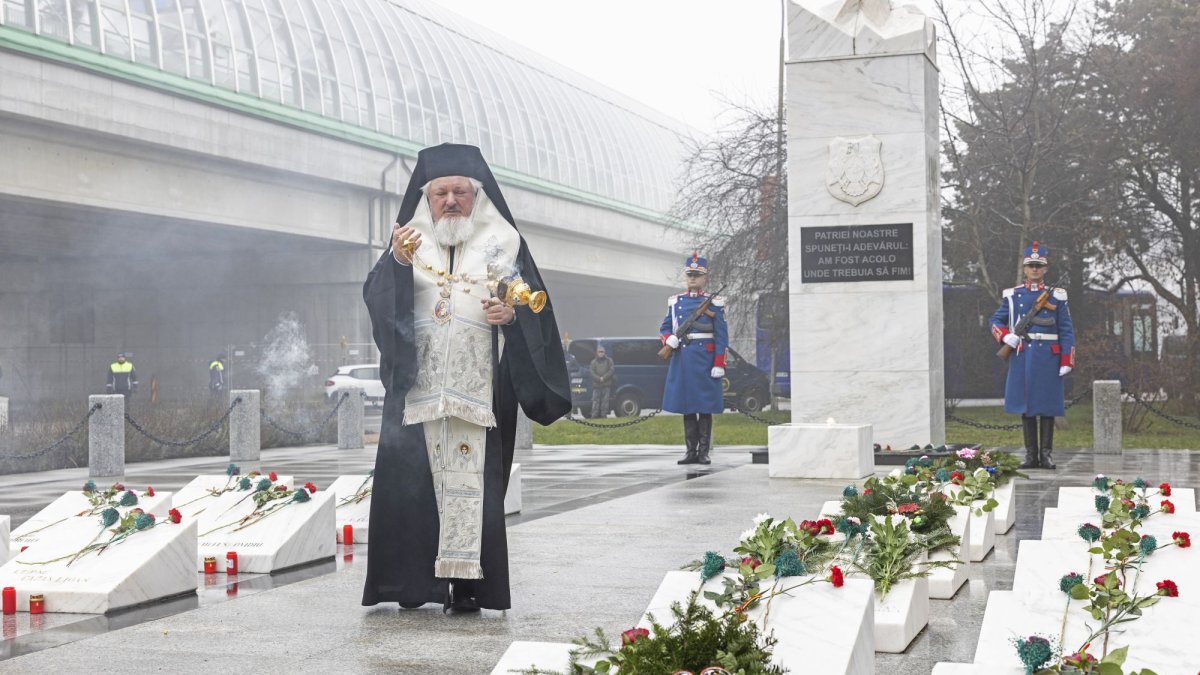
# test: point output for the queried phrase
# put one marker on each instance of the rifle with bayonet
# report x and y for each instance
(686, 326)
(1021, 330)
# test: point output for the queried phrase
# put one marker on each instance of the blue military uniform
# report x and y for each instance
(697, 367)
(1046, 352)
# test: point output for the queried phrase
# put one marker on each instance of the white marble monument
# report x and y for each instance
(149, 565)
(292, 535)
(44, 525)
(864, 225)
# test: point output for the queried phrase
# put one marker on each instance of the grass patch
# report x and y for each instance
(735, 429)
(728, 429)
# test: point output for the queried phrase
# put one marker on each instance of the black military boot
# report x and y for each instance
(1047, 445)
(691, 436)
(1030, 425)
(705, 444)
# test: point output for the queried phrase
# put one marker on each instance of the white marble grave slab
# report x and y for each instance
(1083, 499)
(1009, 614)
(522, 656)
(820, 451)
(44, 524)
(845, 641)
(944, 582)
(982, 536)
(1063, 524)
(357, 514)
(1006, 508)
(1042, 564)
(901, 614)
(195, 499)
(296, 534)
(149, 565)
(512, 498)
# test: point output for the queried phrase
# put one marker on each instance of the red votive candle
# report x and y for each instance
(231, 563)
(347, 534)
(10, 600)
(37, 604)
(210, 564)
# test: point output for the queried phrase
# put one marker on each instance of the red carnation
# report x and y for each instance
(835, 576)
(910, 507)
(1182, 539)
(632, 635)
(957, 478)
(310, 487)
(175, 515)
(273, 476)
(1165, 489)
(149, 491)
(826, 525)
(1166, 506)
(118, 487)
(867, 491)
(281, 488)
(1128, 503)
(1168, 588)
(1099, 581)
(810, 527)
(752, 562)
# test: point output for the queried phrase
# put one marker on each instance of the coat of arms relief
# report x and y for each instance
(855, 171)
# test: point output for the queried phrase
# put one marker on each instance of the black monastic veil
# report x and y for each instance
(532, 373)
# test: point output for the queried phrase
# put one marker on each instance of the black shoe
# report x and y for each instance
(459, 604)
(1047, 442)
(1030, 427)
(411, 605)
(689, 458)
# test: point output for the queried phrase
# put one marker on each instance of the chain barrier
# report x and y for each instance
(60, 442)
(620, 425)
(1008, 427)
(1164, 414)
(756, 418)
(191, 441)
(314, 431)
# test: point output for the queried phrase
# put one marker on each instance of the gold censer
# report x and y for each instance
(514, 291)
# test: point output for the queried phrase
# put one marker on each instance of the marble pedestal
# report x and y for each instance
(1083, 499)
(844, 614)
(296, 534)
(45, 524)
(512, 498)
(149, 565)
(1005, 512)
(944, 582)
(357, 514)
(820, 451)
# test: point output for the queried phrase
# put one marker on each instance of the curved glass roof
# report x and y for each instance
(407, 68)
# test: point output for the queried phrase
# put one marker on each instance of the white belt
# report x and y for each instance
(700, 336)
(1042, 336)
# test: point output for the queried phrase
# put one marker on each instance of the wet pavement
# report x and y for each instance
(601, 526)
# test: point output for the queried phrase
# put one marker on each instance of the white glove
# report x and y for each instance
(672, 342)
(1063, 370)
(1012, 340)
(718, 372)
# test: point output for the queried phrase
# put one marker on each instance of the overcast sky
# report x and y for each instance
(678, 56)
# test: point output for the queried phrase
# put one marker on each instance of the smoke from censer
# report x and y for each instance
(286, 362)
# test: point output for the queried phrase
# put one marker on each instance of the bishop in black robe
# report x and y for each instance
(404, 525)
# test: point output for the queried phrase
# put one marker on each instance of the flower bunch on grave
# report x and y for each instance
(907, 495)
(112, 497)
(361, 493)
(232, 472)
(1000, 466)
(892, 554)
(121, 528)
(266, 502)
(697, 641)
(975, 491)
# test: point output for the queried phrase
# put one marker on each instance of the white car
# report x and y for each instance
(363, 375)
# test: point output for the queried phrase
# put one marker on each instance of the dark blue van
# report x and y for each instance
(641, 375)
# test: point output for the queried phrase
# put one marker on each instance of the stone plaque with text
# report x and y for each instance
(856, 253)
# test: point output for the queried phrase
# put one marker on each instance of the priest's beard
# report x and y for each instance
(453, 230)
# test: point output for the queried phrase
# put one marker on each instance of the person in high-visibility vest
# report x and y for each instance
(122, 378)
(216, 375)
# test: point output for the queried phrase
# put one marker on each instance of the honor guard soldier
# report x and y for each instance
(1033, 324)
(695, 338)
